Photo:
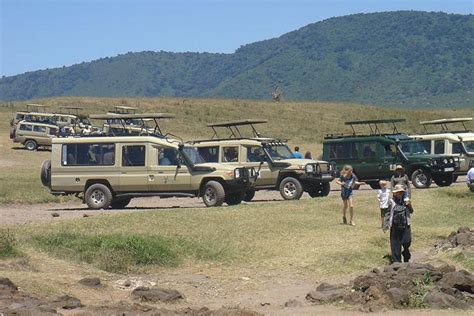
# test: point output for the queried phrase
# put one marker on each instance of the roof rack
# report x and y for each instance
(444, 123)
(110, 118)
(374, 125)
(121, 109)
(232, 126)
(35, 106)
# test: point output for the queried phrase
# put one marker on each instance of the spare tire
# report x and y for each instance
(45, 173)
(12, 133)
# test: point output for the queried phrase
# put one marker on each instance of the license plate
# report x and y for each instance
(448, 169)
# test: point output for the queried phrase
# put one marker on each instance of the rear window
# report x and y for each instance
(342, 151)
(88, 155)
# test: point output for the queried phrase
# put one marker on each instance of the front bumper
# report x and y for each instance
(244, 178)
(447, 165)
(320, 172)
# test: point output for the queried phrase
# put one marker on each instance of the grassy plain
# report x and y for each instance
(304, 123)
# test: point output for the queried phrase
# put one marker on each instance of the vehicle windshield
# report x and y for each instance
(193, 154)
(414, 147)
(279, 152)
(469, 146)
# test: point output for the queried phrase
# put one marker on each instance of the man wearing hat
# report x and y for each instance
(399, 222)
(400, 177)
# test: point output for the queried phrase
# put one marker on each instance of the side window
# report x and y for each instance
(209, 154)
(133, 155)
(26, 127)
(457, 148)
(167, 157)
(53, 131)
(390, 150)
(427, 145)
(342, 151)
(369, 150)
(88, 155)
(253, 153)
(439, 147)
(40, 129)
(230, 154)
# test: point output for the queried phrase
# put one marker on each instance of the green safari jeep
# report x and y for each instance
(374, 156)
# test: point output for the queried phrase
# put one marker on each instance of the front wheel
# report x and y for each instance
(98, 196)
(291, 188)
(249, 195)
(421, 179)
(443, 181)
(321, 189)
(120, 204)
(214, 194)
(31, 145)
(375, 185)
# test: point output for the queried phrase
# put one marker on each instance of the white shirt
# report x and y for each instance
(384, 197)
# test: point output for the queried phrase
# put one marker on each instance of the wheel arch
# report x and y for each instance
(206, 180)
(105, 182)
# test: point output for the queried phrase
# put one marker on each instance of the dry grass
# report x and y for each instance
(304, 123)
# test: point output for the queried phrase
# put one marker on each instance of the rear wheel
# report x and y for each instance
(249, 195)
(214, 194)
(421, 179)
(443, 181)
(31, 145)
(98, 196)
(291, 188)
(120, 203)
(321, 189)
(234, 198)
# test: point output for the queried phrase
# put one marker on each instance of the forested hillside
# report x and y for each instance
(393, 58)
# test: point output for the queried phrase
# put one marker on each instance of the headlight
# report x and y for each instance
(445, 161)
(451, 160)
(309, 168)
(237, 173)
(252, 172)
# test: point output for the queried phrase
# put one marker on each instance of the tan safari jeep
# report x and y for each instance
(273, 159)
(108, 171)
(33, 135)
(450, 141)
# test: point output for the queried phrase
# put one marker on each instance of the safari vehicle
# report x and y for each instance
(33, 135)
(30, 108)
(108, 171)
(276, 167)
(374, 156)
(456, 142)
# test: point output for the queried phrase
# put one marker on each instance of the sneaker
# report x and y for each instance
(352, 223)
(344, 221)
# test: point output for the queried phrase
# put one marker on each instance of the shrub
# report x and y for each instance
(7, 244)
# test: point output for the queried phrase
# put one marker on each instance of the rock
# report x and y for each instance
(156, 294)
(293, 303)
(6, 284)
(326, 293)
(464, 239)
(127, 283)
(445, 268)
(363, 282)
(90, 282)
(373, 293)
(461, 280)
(67, 302)
(437, 299)
(55, 214)
(85, 215)
(398, 296)
(464, 230)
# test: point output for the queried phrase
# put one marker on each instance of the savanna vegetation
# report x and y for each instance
(404, 58)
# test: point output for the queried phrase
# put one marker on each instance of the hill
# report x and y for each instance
(400, 58)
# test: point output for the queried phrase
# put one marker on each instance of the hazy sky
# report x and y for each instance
(39, 34)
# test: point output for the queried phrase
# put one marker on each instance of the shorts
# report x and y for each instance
(346, 194)
(383, 211)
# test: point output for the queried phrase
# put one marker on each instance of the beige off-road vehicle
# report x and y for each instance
(450, 141)
(30, 108)
(33, 135)
(108, 171)
(276, 167)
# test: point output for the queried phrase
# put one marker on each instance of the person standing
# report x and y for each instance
(398, 220)
(307, 155)
(347, 181)
(297, 154)
(400, 177)
(383, 196)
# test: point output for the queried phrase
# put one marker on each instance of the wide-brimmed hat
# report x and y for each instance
(399, 167)
(399, 188)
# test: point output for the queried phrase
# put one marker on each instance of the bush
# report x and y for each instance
(7, 244)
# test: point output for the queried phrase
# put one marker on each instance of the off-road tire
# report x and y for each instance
(12, 133)
(249, 195)
(120, 203)
(443, 181)
(98, 196)
(421, 179)
(213, 194)
(291, 188)
(455, 178)
(319, 190)
(45, 173)
(234, 198)
(375, 185)
(31, 145)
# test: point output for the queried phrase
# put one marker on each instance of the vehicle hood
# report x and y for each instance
(217, 166)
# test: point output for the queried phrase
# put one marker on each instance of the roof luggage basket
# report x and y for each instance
(233, 127)
(444, 124)
(122, 118)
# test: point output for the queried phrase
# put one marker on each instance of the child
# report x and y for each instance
(347, 181)
(383, 196)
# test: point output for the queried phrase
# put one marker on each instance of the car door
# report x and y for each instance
(133, 171)
(251, 157)
(369, 166)
(388, 159)
(167, 171)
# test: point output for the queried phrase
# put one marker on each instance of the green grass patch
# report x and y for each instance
(7, 244)
(466, 261)
(456, 193)
(119, 253)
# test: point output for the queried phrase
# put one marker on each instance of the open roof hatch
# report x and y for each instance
(444, 123)
(233, 127)
(374, 125)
